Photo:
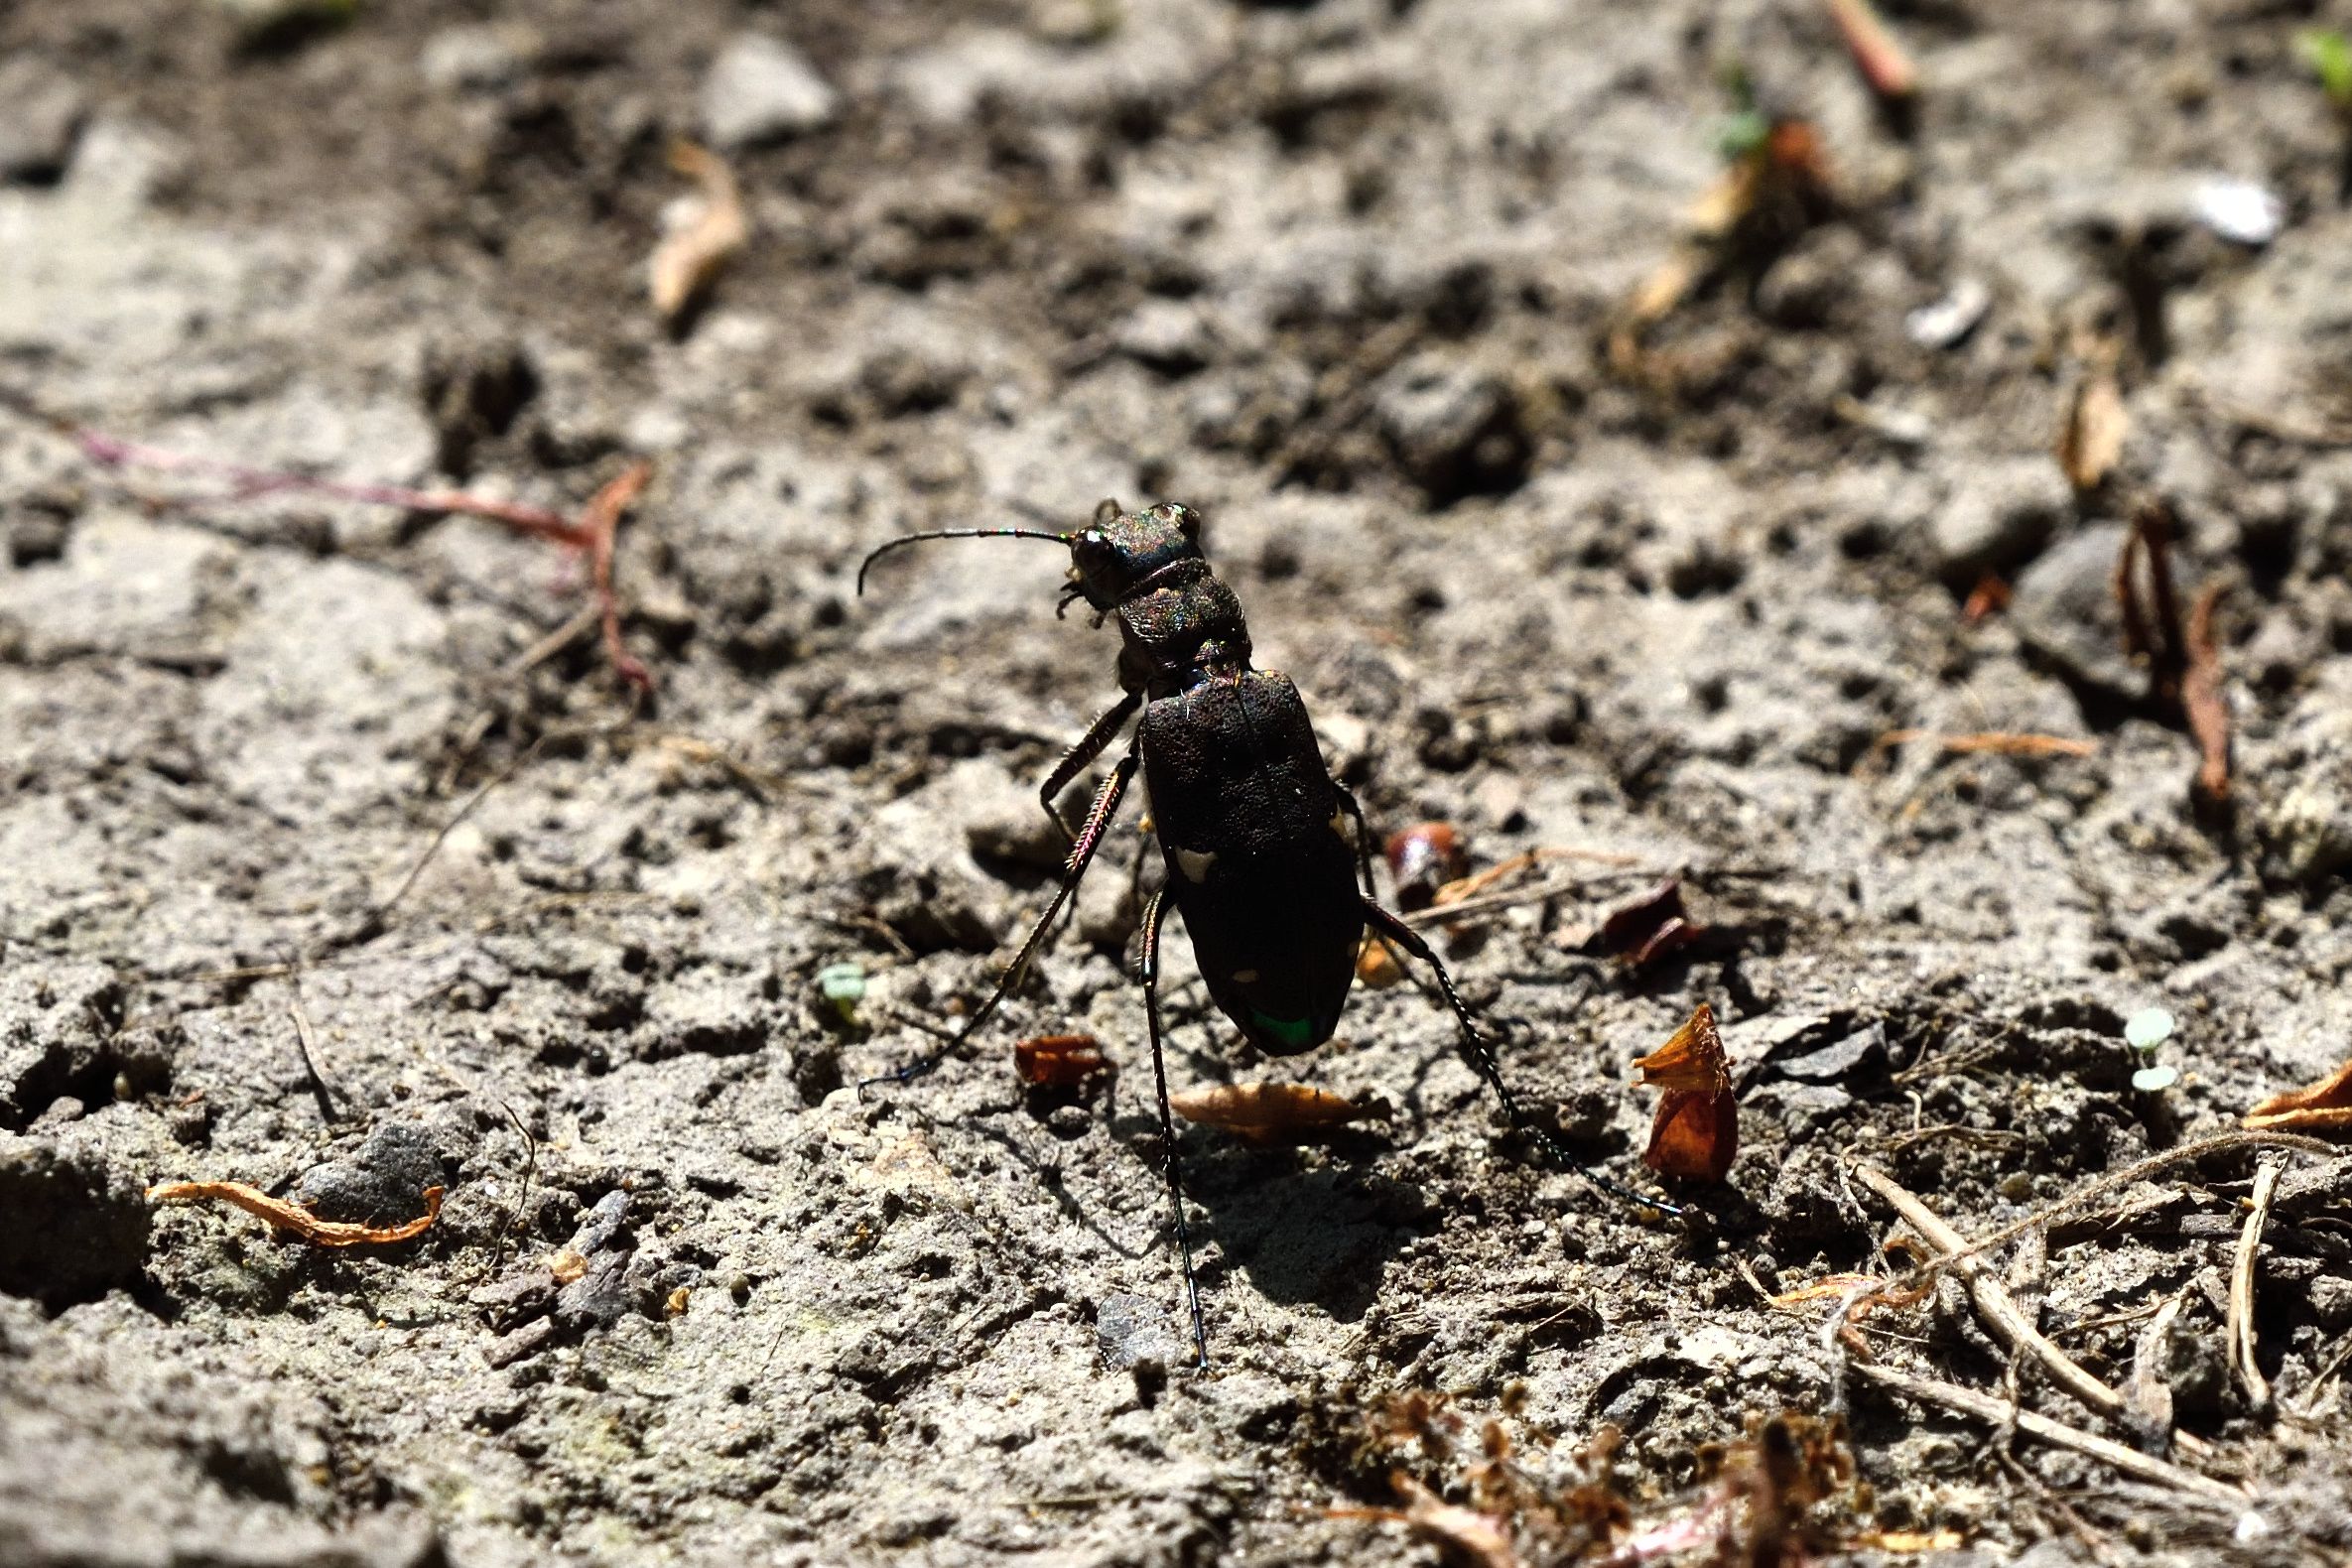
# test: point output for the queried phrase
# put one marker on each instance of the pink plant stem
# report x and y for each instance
(252, 482)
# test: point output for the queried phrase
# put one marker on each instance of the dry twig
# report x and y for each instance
(293, 1217)
(1998, 742)
(2241, 1320)
(1993, 1301)
(1999, 1413)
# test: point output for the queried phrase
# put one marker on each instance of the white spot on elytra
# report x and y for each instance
(1195, 864)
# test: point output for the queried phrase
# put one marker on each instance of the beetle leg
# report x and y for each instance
(1089, 746)
(1082, 852)
(1148, 970)
(1480, 1056)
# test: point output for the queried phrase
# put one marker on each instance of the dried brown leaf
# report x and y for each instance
(1697, 1130)
(1263, 1112)
(288, 1216)
(2323, 1108)
(688, 261)
(1058, 1061)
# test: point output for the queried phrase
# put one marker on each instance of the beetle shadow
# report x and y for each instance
(1301, 1229)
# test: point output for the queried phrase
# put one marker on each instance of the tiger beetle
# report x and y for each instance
(1264, 849)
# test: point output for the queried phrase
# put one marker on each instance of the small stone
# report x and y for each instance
(1131, 1330)
(1947, 323)
(1171, 336)
(1453, 427)
(382, 1182)
(2000, 514)
(2064, 610)
(604, 1226)
(763, 89)
(2240, 212)
(1839, 1059)
(41, 115)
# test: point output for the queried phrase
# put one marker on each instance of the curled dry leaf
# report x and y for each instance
(689, 259)
(1697, 1130)
(2182, 653)
(1058, 1061)
(2324, 1108)
(1266, 1112)
(286, 1216)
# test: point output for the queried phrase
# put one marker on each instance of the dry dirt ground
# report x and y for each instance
(1342, 275)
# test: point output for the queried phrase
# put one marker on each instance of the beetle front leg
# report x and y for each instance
(1082, 853)
(1089, 746)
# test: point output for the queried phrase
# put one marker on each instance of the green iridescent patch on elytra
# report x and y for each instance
(1297, 1033)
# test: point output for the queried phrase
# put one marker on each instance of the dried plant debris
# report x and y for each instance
(2182, 654)
(2091, 436)
(1697, 1130)
(1885, 67)
(293, 1218)
(1058, 1061)
(1423, 858)
(2323, 1110)
(1783, 1494)
(1994, 742)
(591, 534)
(1269, 1112)
(1776, 186)
(690, 256)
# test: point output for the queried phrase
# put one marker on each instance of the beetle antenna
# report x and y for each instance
(887, 546)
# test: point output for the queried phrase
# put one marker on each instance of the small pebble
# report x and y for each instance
(763, 89)
(1950, 319)
(2240, 212)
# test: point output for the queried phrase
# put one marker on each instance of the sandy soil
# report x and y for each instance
(1343, 276)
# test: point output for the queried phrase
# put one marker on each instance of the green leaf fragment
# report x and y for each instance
(2329, 55)
(2154, 1080)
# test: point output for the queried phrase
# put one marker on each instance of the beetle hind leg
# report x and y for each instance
(1148, 972)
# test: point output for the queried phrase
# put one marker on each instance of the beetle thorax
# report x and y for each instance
(1178, 636)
